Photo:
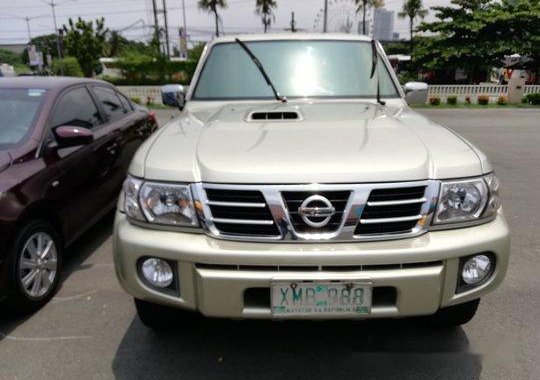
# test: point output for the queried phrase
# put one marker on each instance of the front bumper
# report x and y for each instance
(415, 276)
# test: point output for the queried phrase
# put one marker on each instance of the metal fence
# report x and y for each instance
(152, 94)
(463, 90)
(144, 94)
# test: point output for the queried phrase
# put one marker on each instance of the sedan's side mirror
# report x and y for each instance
(416, 92)
(67, 136)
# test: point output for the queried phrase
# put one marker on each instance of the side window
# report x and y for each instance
(125, 102)
(110, 102)
(76, 108)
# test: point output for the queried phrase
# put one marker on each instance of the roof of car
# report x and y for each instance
(293, 36)
(48, 83)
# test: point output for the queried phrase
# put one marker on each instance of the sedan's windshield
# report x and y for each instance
(298, 68)
(18, 110)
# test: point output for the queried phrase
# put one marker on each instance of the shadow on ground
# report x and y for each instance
(74, 257)
(296, 350)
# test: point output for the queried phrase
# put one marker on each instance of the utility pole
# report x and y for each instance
(325, 24)
(156, 26)
(28, 27)
(168, 45)
(58, 49)
(293, 23)
(184, 17)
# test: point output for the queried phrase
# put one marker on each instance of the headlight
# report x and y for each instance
(130, 193)
(160, 203)
(467, 200)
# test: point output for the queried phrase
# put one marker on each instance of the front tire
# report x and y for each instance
(34, 266)
(455, 315)
(160, 317)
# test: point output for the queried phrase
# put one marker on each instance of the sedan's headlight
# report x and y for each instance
(467, 200)
(160, 203)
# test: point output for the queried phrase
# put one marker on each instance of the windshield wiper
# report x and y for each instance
(261, 69)
(375, 60)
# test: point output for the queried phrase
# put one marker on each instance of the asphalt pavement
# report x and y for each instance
(90, 329)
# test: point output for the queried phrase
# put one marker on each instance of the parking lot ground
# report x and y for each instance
(90, 329)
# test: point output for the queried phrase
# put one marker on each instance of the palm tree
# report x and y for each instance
(363, 5)
(212, 6)
(412, 9)
(264, 9)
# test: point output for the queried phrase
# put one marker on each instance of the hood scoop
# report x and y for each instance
(278, 115)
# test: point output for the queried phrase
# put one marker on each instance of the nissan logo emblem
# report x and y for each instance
(315, 215)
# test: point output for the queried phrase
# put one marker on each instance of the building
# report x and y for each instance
(383, 25)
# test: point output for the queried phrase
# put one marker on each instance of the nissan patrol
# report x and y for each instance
(297, 183)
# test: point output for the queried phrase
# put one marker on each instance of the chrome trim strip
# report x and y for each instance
(345, 232)
(235, 204)
(391, 220)
(243, 221)
(396, 203)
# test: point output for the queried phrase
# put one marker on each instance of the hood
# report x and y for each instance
(329, 143)
(5, 160)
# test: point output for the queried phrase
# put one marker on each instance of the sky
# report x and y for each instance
(239, 17)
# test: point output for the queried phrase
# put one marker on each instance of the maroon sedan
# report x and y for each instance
(65, 145)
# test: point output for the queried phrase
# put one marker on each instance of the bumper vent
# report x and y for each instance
(392, 211)
(293, 200)
(241, 212)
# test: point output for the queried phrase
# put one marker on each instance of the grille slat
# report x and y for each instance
(391, 211)
(239, 212)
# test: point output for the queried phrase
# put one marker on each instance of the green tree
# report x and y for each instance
(212, 6)
(475, 35)
(67, 66)
(86, 43)
(362, 5)
(45, 43)
(412, 9)
(264, 9)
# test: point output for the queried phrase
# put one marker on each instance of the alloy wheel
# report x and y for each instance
(38, 265)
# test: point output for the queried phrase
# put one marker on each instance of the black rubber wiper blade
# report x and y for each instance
(262, 70)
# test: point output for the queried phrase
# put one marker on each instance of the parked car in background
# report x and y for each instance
(298, 184)
(65, 145)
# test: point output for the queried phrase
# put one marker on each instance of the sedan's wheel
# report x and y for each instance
(34, 266)
(38, 265)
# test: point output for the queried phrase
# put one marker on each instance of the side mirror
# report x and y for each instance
(416, 92)
(181, 100)
(174, 95)
(67, 136)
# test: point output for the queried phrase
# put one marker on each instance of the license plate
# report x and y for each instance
(315, 298)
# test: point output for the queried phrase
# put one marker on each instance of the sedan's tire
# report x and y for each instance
(34, 267)
(455, 315)
(160, 317)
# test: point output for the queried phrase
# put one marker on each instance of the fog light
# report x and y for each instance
(476, 269)
(157, 272)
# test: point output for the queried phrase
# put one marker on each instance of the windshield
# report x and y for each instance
(298, 69)
(18, 109)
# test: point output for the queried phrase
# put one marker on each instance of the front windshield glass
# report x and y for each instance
(18, 110)
(298, 69)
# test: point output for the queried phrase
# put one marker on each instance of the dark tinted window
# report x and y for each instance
(111, 103)
(76, 108)
(125, 102)
(18, 111)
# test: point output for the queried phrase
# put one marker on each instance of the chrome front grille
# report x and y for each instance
(358, 212)
(391, 211)
(240, 212)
